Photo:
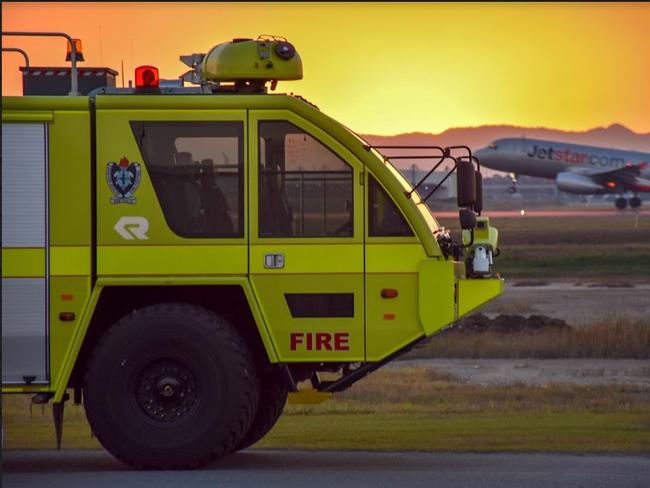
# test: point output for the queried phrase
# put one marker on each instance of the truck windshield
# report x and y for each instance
(421, 206)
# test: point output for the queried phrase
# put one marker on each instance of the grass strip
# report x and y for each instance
(552, 432)
(575, 247)
(417, 409)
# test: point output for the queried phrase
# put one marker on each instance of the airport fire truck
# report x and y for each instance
(180, 259)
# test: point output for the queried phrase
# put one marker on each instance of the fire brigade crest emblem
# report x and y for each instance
(123, 179)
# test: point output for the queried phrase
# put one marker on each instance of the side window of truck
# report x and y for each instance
(305, 190)
(196, 169)
(384, 218)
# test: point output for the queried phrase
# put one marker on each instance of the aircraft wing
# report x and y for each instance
(625, 175)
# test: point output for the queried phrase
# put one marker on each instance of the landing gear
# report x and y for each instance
(513, 189)
(635, 202)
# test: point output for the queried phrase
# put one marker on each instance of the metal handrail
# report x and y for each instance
(18, 50)
(73, 55)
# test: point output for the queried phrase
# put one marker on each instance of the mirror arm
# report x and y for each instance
(441, 181)
(442, 159)
(466, 148)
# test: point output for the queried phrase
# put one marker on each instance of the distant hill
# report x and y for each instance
(616, 136)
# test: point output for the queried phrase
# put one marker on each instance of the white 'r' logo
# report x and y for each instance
(132, 228)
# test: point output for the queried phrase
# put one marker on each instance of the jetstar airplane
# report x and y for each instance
(575, 169)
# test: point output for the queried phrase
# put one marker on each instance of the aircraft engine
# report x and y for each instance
(574, 183)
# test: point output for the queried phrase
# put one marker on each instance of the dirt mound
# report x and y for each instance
(531, 283)
(507, 324)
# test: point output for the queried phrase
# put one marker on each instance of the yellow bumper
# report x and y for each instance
(476, 292)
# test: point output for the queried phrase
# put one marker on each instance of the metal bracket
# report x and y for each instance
(57, 415)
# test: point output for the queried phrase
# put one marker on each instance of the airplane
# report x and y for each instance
(578, 169)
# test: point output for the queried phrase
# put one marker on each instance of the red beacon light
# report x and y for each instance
(146, 77)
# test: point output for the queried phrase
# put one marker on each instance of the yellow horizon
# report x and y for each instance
(388, 68)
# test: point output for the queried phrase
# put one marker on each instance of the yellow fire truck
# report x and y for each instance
(181, 258)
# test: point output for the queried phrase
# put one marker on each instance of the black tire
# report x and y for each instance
(620, 203)
(635, 202)
(272, 400)
(171, 386)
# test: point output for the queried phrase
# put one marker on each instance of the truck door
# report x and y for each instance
(171, 190)
(306, 246)
(393, 254)
(25, 262)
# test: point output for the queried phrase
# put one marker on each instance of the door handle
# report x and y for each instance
(274, 261)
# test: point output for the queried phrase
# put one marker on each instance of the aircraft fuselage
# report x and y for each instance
(546, 159)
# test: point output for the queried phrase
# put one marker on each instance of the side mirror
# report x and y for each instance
(478, 204)
(467, 219)
(465, 183)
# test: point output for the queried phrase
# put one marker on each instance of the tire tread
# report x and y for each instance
(228, 335)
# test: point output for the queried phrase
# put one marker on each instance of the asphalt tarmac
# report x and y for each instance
(328, 469)
(555, 213)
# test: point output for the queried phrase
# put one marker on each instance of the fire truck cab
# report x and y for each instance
(181, 259)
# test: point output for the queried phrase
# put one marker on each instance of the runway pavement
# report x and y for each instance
(327, 469)
(555, 213)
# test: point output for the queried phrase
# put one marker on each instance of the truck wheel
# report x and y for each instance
(171, 386)
(273, 398)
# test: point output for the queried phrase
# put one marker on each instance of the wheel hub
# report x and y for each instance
(166, 390)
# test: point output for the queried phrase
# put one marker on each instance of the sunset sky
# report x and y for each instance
(386, 68)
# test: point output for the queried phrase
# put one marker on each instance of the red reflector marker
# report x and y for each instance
(389, 316)
(146, 77)
(389, 293)
(66, 297)
(66, 316)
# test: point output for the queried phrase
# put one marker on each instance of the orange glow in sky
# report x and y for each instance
(386, 68)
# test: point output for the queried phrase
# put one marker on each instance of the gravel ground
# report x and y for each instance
(580, 304)
(577, 303)
(538, 371)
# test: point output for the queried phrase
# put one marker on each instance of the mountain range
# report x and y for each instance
(615, 136)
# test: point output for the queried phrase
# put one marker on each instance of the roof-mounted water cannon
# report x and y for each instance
(244, 65)
(193, 61)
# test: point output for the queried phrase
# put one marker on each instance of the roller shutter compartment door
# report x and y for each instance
(25, 254)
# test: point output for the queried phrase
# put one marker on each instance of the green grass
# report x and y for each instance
(590, 247)
(557, 432)
(418, 409)
(23, 430)
(574, 260)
